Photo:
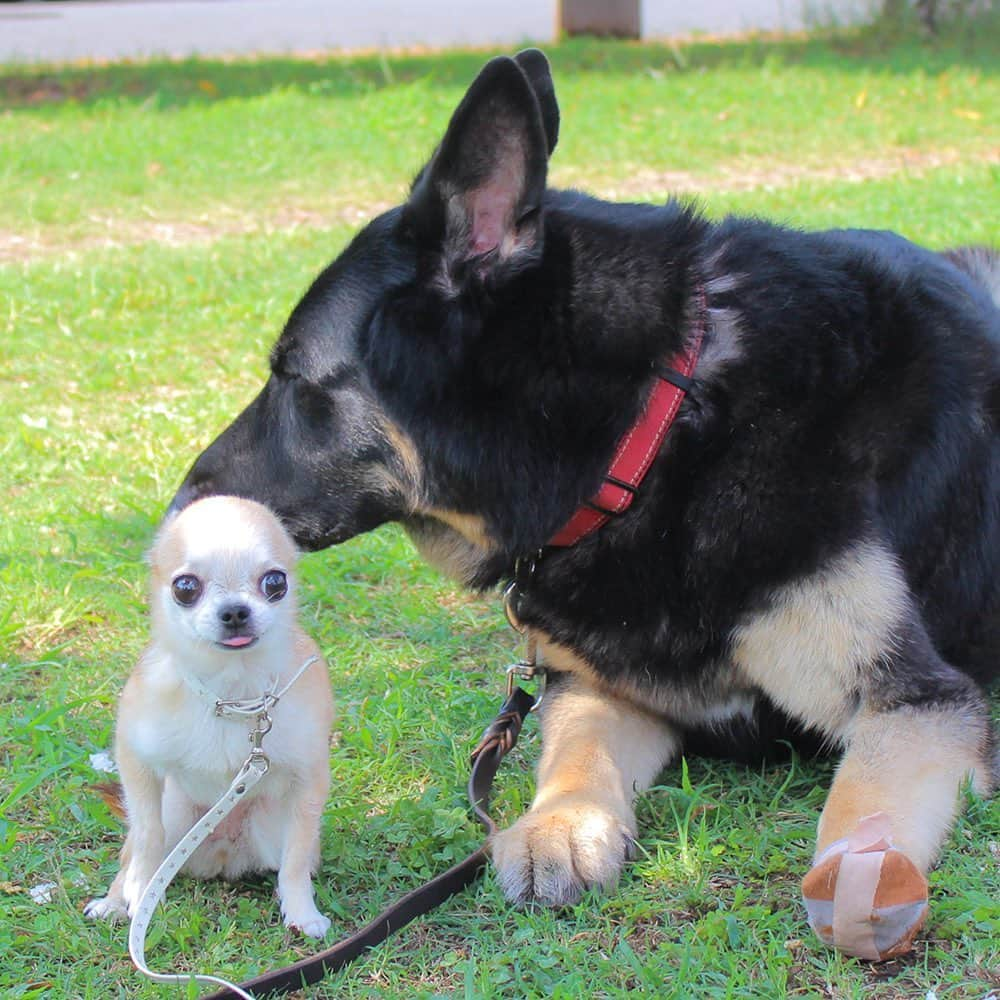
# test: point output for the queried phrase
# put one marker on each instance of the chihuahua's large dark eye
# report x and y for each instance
(274, 585)
(186, 589)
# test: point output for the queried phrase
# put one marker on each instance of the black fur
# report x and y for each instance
(849, 392)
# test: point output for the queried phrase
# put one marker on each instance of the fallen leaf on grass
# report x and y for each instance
(42, 893)
(104, 762)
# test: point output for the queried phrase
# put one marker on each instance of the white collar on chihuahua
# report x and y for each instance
(244, 707)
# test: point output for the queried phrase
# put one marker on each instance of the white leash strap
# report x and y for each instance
(254, 768)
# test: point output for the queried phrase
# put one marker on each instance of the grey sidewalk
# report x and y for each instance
(117, 29)
(64, 31)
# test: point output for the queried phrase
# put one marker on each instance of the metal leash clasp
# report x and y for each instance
(263, 725)
(524, 573)
(511, 597)
(526, 672)
(528, 669)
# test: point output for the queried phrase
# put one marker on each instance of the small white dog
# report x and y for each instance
(224, 627)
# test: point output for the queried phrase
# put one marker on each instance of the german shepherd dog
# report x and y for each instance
(812, 555)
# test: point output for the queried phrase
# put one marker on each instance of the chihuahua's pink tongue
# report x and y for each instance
(237, 641)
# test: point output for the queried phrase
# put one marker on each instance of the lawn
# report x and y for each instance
(157, 223)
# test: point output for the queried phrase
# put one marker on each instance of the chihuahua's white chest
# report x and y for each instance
(193, 746)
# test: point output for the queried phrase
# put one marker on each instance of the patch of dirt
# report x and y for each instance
(116, 234)
(112, 233)
(780, 175)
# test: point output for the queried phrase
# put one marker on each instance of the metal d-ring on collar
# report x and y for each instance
(527, 668)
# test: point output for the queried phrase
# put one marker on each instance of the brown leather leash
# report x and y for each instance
(497, 741)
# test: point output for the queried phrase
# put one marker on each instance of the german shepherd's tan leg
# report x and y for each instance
(598, 752)
(909, 764)
(888, 813)
(844, 651)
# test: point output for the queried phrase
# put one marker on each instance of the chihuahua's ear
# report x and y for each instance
(478, 202)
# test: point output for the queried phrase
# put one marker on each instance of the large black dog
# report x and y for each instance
(813, 551)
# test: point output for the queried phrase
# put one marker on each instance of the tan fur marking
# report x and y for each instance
(446, 550)
(811, 649)
(409, 457)
(565, 660)
(705, 703)
(910, 764)
(470, 526)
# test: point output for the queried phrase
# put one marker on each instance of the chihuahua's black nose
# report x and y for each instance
(234, 615)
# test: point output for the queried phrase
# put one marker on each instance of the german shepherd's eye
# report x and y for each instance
(274, 585)
(186, 589)
(312, 403)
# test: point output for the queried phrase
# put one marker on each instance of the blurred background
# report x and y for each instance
(130, 28)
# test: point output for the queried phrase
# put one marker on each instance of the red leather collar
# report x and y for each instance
(637, 449)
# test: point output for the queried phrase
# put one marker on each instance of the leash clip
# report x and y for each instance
(258, 758)
(527, 672)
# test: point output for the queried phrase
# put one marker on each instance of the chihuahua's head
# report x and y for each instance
(222, 578)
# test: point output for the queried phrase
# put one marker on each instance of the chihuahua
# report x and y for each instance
(224, 628)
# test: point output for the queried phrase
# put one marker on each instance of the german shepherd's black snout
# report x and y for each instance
(313, 450)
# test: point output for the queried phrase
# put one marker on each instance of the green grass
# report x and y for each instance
(235, 145)
(118, 365)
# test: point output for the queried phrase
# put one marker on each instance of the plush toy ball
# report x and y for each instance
(863, 896)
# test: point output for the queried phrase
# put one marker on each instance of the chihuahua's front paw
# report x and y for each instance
(309, 922)
(105, 908)
(553, 854)
(136, 879)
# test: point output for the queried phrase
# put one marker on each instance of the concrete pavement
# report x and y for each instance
(115, 29)
(32, 32)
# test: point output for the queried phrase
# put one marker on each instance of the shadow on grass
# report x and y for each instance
(162, 85)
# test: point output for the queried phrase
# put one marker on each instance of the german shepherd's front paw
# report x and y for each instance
(551, 855)
(865, 897)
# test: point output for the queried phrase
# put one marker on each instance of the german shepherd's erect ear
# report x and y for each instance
(536, 68)
(478, 201)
